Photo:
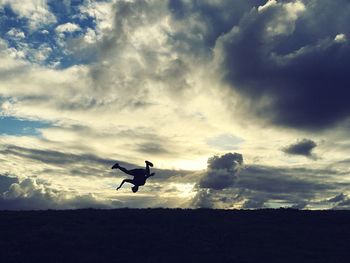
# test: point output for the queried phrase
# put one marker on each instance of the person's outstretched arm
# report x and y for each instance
(152, 174)
(124, 181)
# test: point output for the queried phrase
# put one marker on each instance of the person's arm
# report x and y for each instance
(152, 174)
(125, 181)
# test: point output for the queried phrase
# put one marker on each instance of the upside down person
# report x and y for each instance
(140, 175)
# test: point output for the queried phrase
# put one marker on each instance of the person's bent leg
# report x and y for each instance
(148, 164)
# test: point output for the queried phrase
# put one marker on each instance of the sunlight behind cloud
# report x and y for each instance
(199, 163)
(176, 84)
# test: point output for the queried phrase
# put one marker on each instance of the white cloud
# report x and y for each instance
(144, 82)
(341, 38)
(23, 54)
(90, 36)
(16, 33)
(269, 4)
(68, 27)
(42, 53)
(36, 11)
(283, 22)
(102, 12)
(16, 53)
(30, 194)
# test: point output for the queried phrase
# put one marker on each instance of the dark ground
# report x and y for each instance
(166, 235)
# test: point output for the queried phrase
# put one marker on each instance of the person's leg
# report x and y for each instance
(125, 181)
(148, 164)
(124, 170)
(137, 172)
(117, 166)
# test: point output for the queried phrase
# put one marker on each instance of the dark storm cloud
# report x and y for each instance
(291, 63)
(291, 187)
(217, 16)
(218, 180)
(258, 186)
(300, 205)
(193, 29)
(222, 171)
(285, 181)
(297, 71)
(254, 203)
(203, 199)
(345, 204)
(340, 201)
(303, 147)
(338, 198)
(229, 161)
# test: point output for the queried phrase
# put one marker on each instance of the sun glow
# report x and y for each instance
(183, 190)
(192, 165)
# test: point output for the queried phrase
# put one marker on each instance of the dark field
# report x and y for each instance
(165, 235)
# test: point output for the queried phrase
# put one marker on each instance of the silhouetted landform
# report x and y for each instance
(174, 235)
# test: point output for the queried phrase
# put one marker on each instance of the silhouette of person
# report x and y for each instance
(140, 176)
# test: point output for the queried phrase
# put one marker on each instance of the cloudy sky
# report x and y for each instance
(239, 104)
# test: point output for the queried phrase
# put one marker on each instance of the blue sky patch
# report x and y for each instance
(45, 37)
(21, 127)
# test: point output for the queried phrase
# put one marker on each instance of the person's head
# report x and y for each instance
(135, 188)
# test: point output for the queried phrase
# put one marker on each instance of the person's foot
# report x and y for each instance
(149, 163)
(115, 166)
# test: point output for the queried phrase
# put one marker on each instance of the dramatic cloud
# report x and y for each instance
(285, 181)
(30, 194)
(222, 171)
(303, 147)
(203, 199)
(84, 84)
(297, 71)
(266, 186)
(60, 180)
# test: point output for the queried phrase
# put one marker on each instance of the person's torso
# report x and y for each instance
(139, 180)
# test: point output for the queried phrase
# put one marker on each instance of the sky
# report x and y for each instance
(239, 104)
